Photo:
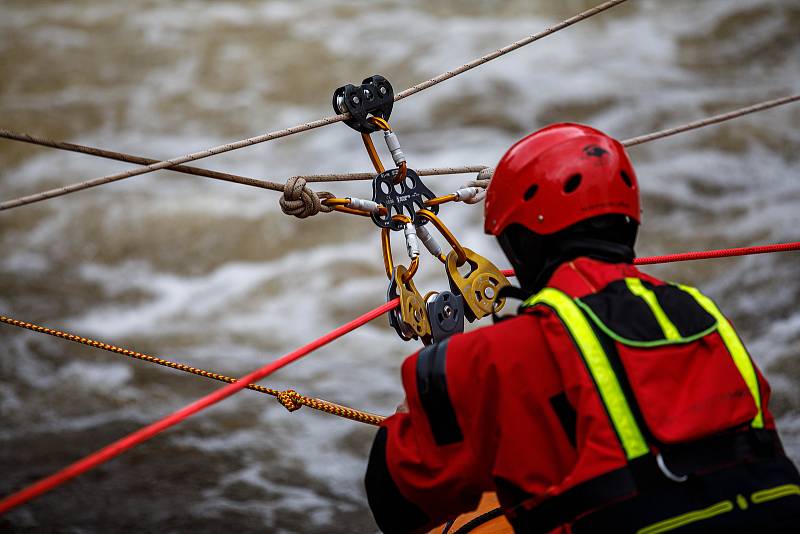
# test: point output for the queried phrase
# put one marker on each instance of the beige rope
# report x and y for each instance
(86, 184)
(59, 191)
(139, 160)
(505, 50)
(633, 141)
(310, 202)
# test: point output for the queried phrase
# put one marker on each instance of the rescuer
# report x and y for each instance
(612, 402)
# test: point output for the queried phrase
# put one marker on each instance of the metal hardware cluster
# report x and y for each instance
(402, 202)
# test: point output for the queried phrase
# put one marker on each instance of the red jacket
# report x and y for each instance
(513, 408)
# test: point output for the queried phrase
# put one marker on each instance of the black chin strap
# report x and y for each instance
(565, 250)
(568, 249)
(513, 292)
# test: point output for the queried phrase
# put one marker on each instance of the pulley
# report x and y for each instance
(445, 314)
(374, 96)
(480, 286)
(410, 319)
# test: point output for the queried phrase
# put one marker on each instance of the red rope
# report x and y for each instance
(722, 253)
(706, 255)
(142, 435)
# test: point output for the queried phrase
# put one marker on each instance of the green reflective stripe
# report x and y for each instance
(775, 493)
(635, 343)
(637, 288)
(736, 349)
(599, 367)
(685, 519)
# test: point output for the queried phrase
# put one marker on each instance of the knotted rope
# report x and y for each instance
(290, 399)
(299, 200)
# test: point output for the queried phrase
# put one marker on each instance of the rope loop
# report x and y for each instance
(290, 400)
(299, 200)
(482, 181)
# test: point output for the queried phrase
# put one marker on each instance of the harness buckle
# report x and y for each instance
(662, 466)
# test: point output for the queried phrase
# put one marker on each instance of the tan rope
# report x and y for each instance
(633, 141)
(44, 195)
(290, 399)
(138, 160)
(505, 50)
(305, 198)
(485, 175)
(86, 184)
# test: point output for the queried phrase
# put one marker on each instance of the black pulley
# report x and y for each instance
(374, 96)
(446, 315)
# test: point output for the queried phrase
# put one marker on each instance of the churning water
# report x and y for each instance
(212, 274)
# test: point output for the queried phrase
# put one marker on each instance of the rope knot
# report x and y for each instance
(290, 399)
(299, 200)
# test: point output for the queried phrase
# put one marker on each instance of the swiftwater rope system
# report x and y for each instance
(400, 202)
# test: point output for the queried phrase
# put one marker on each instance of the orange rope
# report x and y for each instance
(290, 399)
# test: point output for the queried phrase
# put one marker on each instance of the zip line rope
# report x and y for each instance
(44, 195)
(633, 141)
(217, 175)
(510, 48)
(144, 434)
(282, 187)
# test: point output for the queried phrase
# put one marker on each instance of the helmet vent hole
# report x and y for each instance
(626, 179)
(572, 183)
(530, 192)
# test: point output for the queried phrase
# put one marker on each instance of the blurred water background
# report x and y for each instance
(214, 275)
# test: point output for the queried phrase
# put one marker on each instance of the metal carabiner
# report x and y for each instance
(461, 256)
(388, 261)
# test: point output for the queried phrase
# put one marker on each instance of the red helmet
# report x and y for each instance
(561, 175)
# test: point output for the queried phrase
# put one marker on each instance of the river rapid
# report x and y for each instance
(214, 275)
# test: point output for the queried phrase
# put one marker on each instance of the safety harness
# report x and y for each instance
(590, 323)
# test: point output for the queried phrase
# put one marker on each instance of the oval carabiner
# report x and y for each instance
(373, 154)
(446, 233)
(386, 245)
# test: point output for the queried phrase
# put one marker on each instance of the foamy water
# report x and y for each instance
(214, 275)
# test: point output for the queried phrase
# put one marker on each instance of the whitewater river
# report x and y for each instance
(214, 275)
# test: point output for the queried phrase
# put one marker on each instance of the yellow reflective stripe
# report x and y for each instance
(775, 493)
(735, 347)
(599, 367)
(685, 519)
(637, 288)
